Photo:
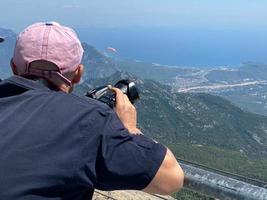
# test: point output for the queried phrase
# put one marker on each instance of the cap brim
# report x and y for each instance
(2, 39)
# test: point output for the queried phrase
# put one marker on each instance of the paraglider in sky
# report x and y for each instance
(111, 49)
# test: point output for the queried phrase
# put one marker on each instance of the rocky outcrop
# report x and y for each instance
(128, 195)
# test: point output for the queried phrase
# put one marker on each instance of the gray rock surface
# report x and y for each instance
(127, 195)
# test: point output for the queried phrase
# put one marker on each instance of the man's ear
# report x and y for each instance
(13, 67)
(78, 74)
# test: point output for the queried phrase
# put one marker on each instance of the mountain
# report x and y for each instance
(245, 86)
(186, 79)
(197, 118)
(199, 127)
(6, 51)
(153, 71)
(201, 119)
(97, 65)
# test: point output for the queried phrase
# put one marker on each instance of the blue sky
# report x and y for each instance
(182, 32)
(211, 14)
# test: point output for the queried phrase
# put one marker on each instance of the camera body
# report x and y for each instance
(105, 95)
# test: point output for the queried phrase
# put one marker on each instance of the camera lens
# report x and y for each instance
(129, 88)
(108, 97)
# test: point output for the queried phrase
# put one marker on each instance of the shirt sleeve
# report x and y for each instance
(125, 161)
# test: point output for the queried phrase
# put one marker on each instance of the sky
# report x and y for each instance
(172, 32)
(207, 14)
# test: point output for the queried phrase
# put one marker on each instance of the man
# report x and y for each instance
(56, 145)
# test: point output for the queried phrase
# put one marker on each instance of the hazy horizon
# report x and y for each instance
(212, 14)
(171, 32)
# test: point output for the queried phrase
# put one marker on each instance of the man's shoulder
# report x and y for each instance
(83, 101)
(57, 99)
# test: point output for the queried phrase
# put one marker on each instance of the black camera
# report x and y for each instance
(105, 95)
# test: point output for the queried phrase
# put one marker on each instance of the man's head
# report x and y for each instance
(51, 52)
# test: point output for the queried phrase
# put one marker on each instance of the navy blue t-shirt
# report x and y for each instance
(57, 146)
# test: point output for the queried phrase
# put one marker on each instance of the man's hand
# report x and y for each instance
(125, 111)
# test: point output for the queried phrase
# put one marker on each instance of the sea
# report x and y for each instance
(191, 47)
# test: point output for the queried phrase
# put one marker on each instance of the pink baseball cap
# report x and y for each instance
(49, 42)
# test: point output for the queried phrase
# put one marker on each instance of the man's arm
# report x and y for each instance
(169, 178)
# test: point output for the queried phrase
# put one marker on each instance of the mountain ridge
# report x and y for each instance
(196, 118)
